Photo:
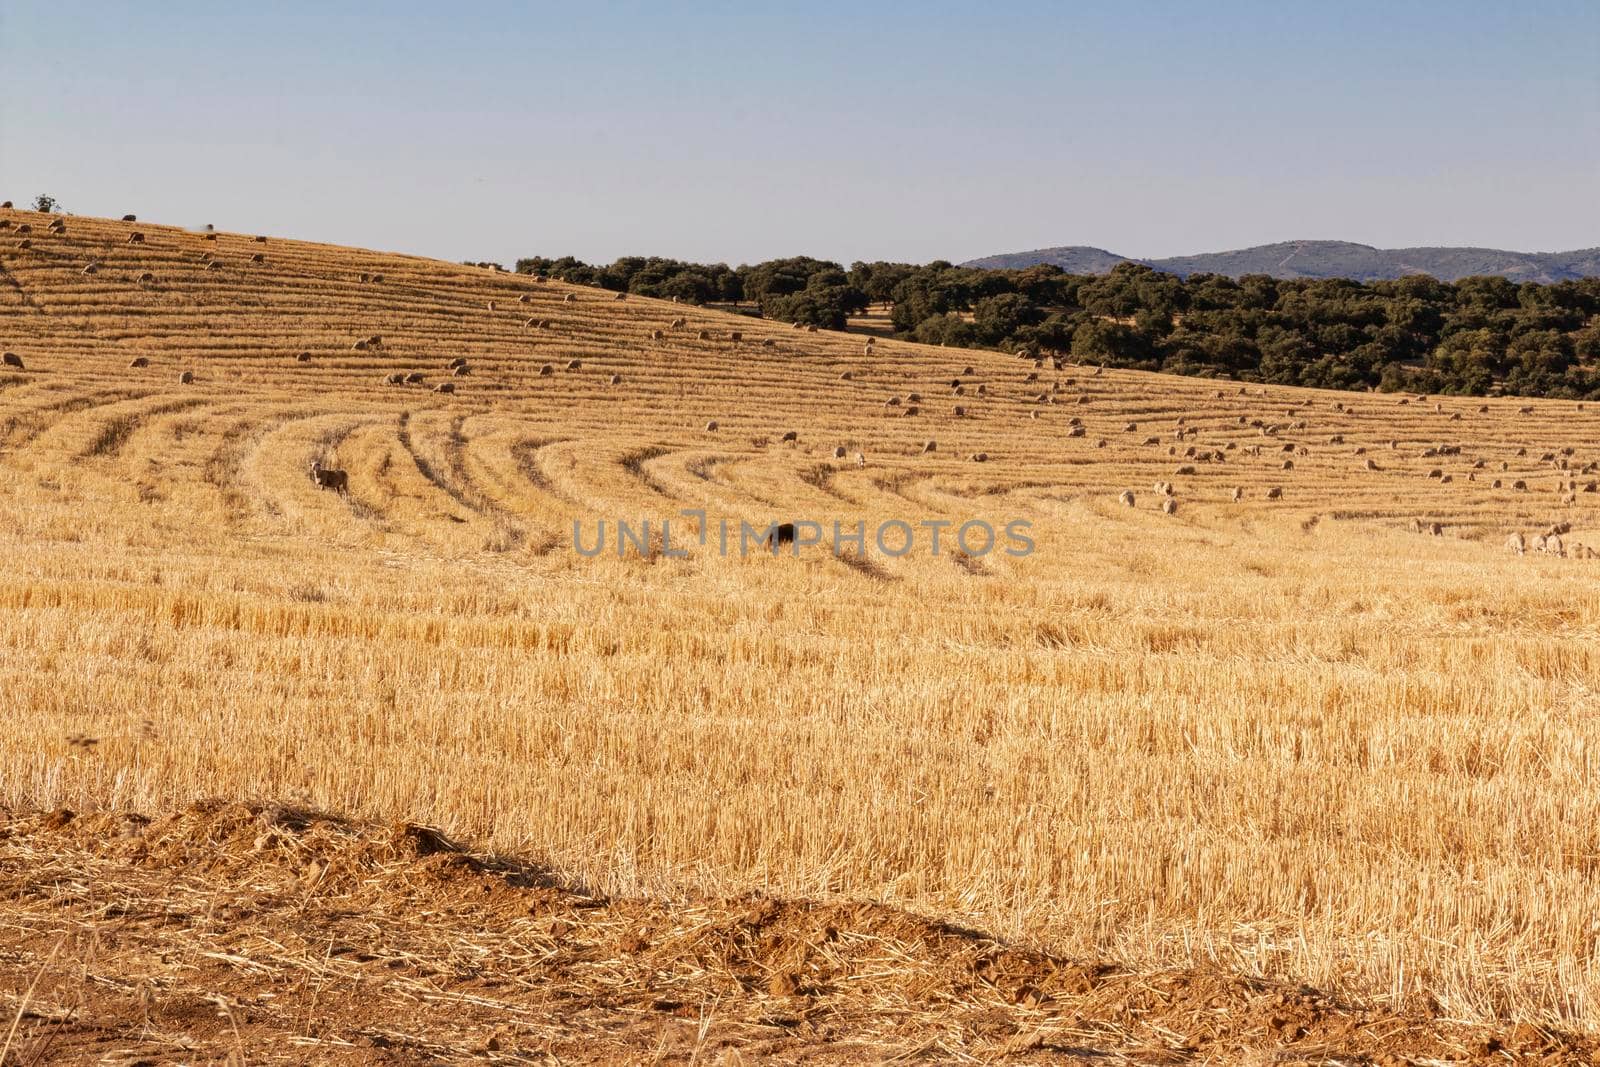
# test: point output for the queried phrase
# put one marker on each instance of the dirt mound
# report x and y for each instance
(265, 934)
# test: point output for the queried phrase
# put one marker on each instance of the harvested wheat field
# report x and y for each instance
(322, 743)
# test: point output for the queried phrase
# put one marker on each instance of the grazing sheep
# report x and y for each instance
(546, 370)
(186, 377)
(445, 387)
(303, 357)
(260, 240)
(811, 329)
(326, 478)
(621, 296)
(767, 342)
(930, 446)
(570, 298)
(1435, 530)
(873, 340)
(24, 227)
(1237, 494)
(93, 268)
(414, 378)
(892, 402)
(24, 245)
(1516, 544)
(1554, 546)
(1076, 431)
(980, 457)
(139, 361)
(783, 535)
(359, 346)
(616, 379)
(11, 359)
(1436, 473)
(960, 412)
(1185, 469)
(861, 459)
(394, 379)
(846, 376)
(215, 264)
(461, 371)
(1169, 506)
(377, 279)
(1152, 441)
(1520, 486)
(912, 410)
(735, 336)
(1275, 493)
(574, 364)
(136, 238)
(839, 452)
(711, 427)
(1369, 465)
(459, 361)
(375, 341)
(790, 436)
(1126, 498)
(658, 335)
(258, 258)
(703, 335)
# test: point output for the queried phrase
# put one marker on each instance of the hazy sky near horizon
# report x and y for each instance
(744, 131)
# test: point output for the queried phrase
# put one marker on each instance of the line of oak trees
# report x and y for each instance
(1473, 336)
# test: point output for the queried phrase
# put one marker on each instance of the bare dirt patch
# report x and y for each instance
(235, 933)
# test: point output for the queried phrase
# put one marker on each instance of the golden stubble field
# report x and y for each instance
(1292, 737)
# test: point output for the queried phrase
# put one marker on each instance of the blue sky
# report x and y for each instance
(744, 131)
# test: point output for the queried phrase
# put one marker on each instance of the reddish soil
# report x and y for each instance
(233, 934)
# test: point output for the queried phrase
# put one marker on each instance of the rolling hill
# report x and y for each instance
(1273, 747)
(1325, 259)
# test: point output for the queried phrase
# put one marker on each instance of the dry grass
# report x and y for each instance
(243, 934)
(1291, 739)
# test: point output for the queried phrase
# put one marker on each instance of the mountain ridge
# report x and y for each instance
(1324, 259)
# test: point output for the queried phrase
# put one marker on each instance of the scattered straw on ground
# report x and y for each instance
(239, 933)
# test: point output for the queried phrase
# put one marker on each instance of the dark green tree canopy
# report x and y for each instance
(1474, 336)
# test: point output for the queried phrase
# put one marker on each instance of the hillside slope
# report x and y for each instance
(1304, 721)
(1326, 259)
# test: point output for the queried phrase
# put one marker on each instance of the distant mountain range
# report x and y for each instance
(1325, 259)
